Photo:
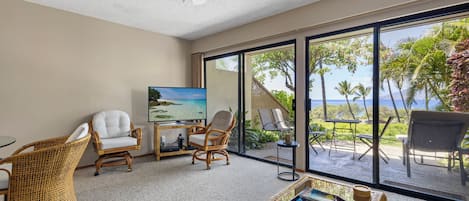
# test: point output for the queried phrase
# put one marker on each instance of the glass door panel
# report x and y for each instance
(415, 76)
(269, 84)
(222, 85)
(340, 117)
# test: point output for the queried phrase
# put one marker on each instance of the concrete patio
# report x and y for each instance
(427, 179)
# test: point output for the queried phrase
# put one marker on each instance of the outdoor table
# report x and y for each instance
(352, 130)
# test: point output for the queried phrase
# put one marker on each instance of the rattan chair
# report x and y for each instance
(213, 139)
(114, 136)
(46, 171)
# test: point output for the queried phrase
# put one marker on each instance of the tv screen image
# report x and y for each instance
(176, 104)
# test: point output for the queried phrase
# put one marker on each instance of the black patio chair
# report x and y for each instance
(431, 131)
(314, 135)
(368, 140)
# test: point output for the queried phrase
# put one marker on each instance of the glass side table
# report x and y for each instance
(286, 175)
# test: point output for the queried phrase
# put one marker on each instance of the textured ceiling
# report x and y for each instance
(177, 17)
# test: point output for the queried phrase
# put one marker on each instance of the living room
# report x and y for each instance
(63, 62)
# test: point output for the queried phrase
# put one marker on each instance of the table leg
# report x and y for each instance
(294, 163)
(354, 133)
(333, 139)
(278, 163)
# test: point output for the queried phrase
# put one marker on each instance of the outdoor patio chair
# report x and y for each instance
(280, 122)
(267, 120)
(272, 120)
(436, 132)
(368, 140)
(313, 137)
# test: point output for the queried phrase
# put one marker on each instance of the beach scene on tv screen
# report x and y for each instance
(171, 104)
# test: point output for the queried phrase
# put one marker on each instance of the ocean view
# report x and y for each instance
(419, 104)
(179, 110)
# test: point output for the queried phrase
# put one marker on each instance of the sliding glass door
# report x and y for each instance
(269, 84)
(415, 76)
(388, 90)
(261, 78)
(341, 101)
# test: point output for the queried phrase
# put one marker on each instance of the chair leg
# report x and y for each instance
(208, 159)
(364, 153)
(227, 157)
(461, 169)
(193, 156)
(310, 144)
(128, 159)
(98, 163)
(407, 157)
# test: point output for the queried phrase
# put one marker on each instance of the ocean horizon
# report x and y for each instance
(419, 104)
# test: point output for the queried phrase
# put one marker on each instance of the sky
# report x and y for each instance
(363, 74)
(175, 93)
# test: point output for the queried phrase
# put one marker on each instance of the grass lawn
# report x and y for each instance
(389, 137)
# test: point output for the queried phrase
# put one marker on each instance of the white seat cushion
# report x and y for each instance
(116, 142)
(199, 139)
(79, 133)
(112, 123)
(4, 176)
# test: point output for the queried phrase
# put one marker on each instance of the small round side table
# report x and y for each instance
(287, 176)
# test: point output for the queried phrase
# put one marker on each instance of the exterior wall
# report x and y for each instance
(222, 90)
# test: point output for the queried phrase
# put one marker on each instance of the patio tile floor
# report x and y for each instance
(432, 180)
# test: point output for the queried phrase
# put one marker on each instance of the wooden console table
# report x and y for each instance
(158, 127)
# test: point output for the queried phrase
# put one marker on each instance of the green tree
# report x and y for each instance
(153, 95)
(346, 90)
(348, 53)
(388, 72)
(273, 64)
(422, 63)
(362, 92)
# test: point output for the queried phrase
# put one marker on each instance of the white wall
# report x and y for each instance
(58, 68)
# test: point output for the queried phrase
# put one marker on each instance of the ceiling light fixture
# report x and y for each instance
(195, 2)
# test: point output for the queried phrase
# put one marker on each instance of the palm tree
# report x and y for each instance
(344, 53)
(362, 92)
(387, 73)
(346, 90)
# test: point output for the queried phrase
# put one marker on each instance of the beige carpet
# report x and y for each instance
(174, 179)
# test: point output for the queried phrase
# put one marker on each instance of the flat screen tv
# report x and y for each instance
(176, 104)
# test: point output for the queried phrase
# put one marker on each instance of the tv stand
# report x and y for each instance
(158, 127)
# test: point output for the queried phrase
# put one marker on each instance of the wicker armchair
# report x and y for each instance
(45, 172)
(114, 136)
(213, 139)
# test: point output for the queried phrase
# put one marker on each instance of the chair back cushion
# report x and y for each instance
(279, 120)
(222, 120)
(79, 133)
(437, 131)
(112, 123)
(267, 120)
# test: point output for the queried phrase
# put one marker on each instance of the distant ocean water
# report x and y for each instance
(419, 104)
